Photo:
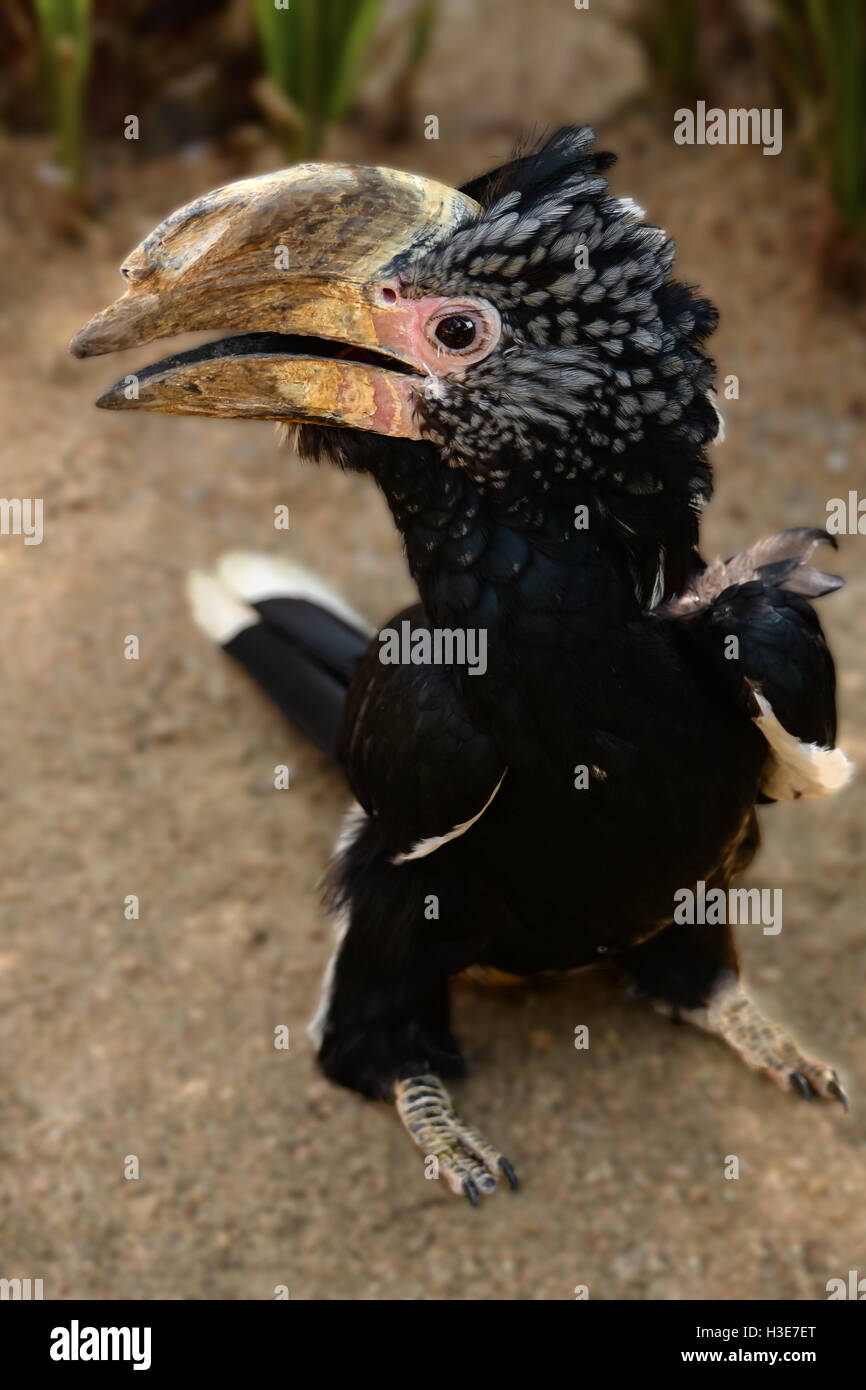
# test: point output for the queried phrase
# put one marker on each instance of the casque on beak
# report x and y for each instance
(301, 267)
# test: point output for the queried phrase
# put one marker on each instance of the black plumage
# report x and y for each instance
(543, 815)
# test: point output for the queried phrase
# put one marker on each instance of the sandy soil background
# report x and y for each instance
(155, 1037)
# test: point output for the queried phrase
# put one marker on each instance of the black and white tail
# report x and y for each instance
(297, 638)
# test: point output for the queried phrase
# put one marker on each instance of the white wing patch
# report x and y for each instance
(351, 826)
(424, 847)
(317, 1024)
(798, 769)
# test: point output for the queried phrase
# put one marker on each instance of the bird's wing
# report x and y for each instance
(413, 758)
(750, 618)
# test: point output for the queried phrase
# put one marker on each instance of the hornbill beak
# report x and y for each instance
(302, 267)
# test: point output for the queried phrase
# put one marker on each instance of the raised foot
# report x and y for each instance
(766, 1047)
(468, 1163)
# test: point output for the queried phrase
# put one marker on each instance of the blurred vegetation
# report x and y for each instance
(316, 55)
(807, 56)
(419, 35)
(668, 30)
(199, 70)
(65, 29)
(695, 48)
(313, 54)
(819, 55)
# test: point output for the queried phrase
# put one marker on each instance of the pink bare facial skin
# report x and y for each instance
(407, 328)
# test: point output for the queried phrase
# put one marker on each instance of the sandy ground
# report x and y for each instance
(154, 1037)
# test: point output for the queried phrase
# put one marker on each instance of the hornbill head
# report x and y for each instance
(524, 329)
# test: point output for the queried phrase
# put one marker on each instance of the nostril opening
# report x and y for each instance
(389, 296)
(136, 272)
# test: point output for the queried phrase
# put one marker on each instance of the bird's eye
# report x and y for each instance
(456, 331)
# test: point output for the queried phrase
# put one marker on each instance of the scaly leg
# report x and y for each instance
(691, 973)
(763, 1045)
(468, 1163)
(383, 1026)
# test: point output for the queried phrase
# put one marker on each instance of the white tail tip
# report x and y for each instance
(254, 577)
(215, 609)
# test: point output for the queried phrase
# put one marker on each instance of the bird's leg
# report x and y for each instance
(691, 973)
(763, 1045)
(378, 1037)
(383, 1027)
(463, 1156)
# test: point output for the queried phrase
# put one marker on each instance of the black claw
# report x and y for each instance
(802, 1085)
(510, 1175)
(471, 1191)
(836, 1090)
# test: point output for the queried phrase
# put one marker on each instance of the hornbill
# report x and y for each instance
(517, 370)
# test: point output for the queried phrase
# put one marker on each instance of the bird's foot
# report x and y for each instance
(764, 1045)
(463, 1157)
